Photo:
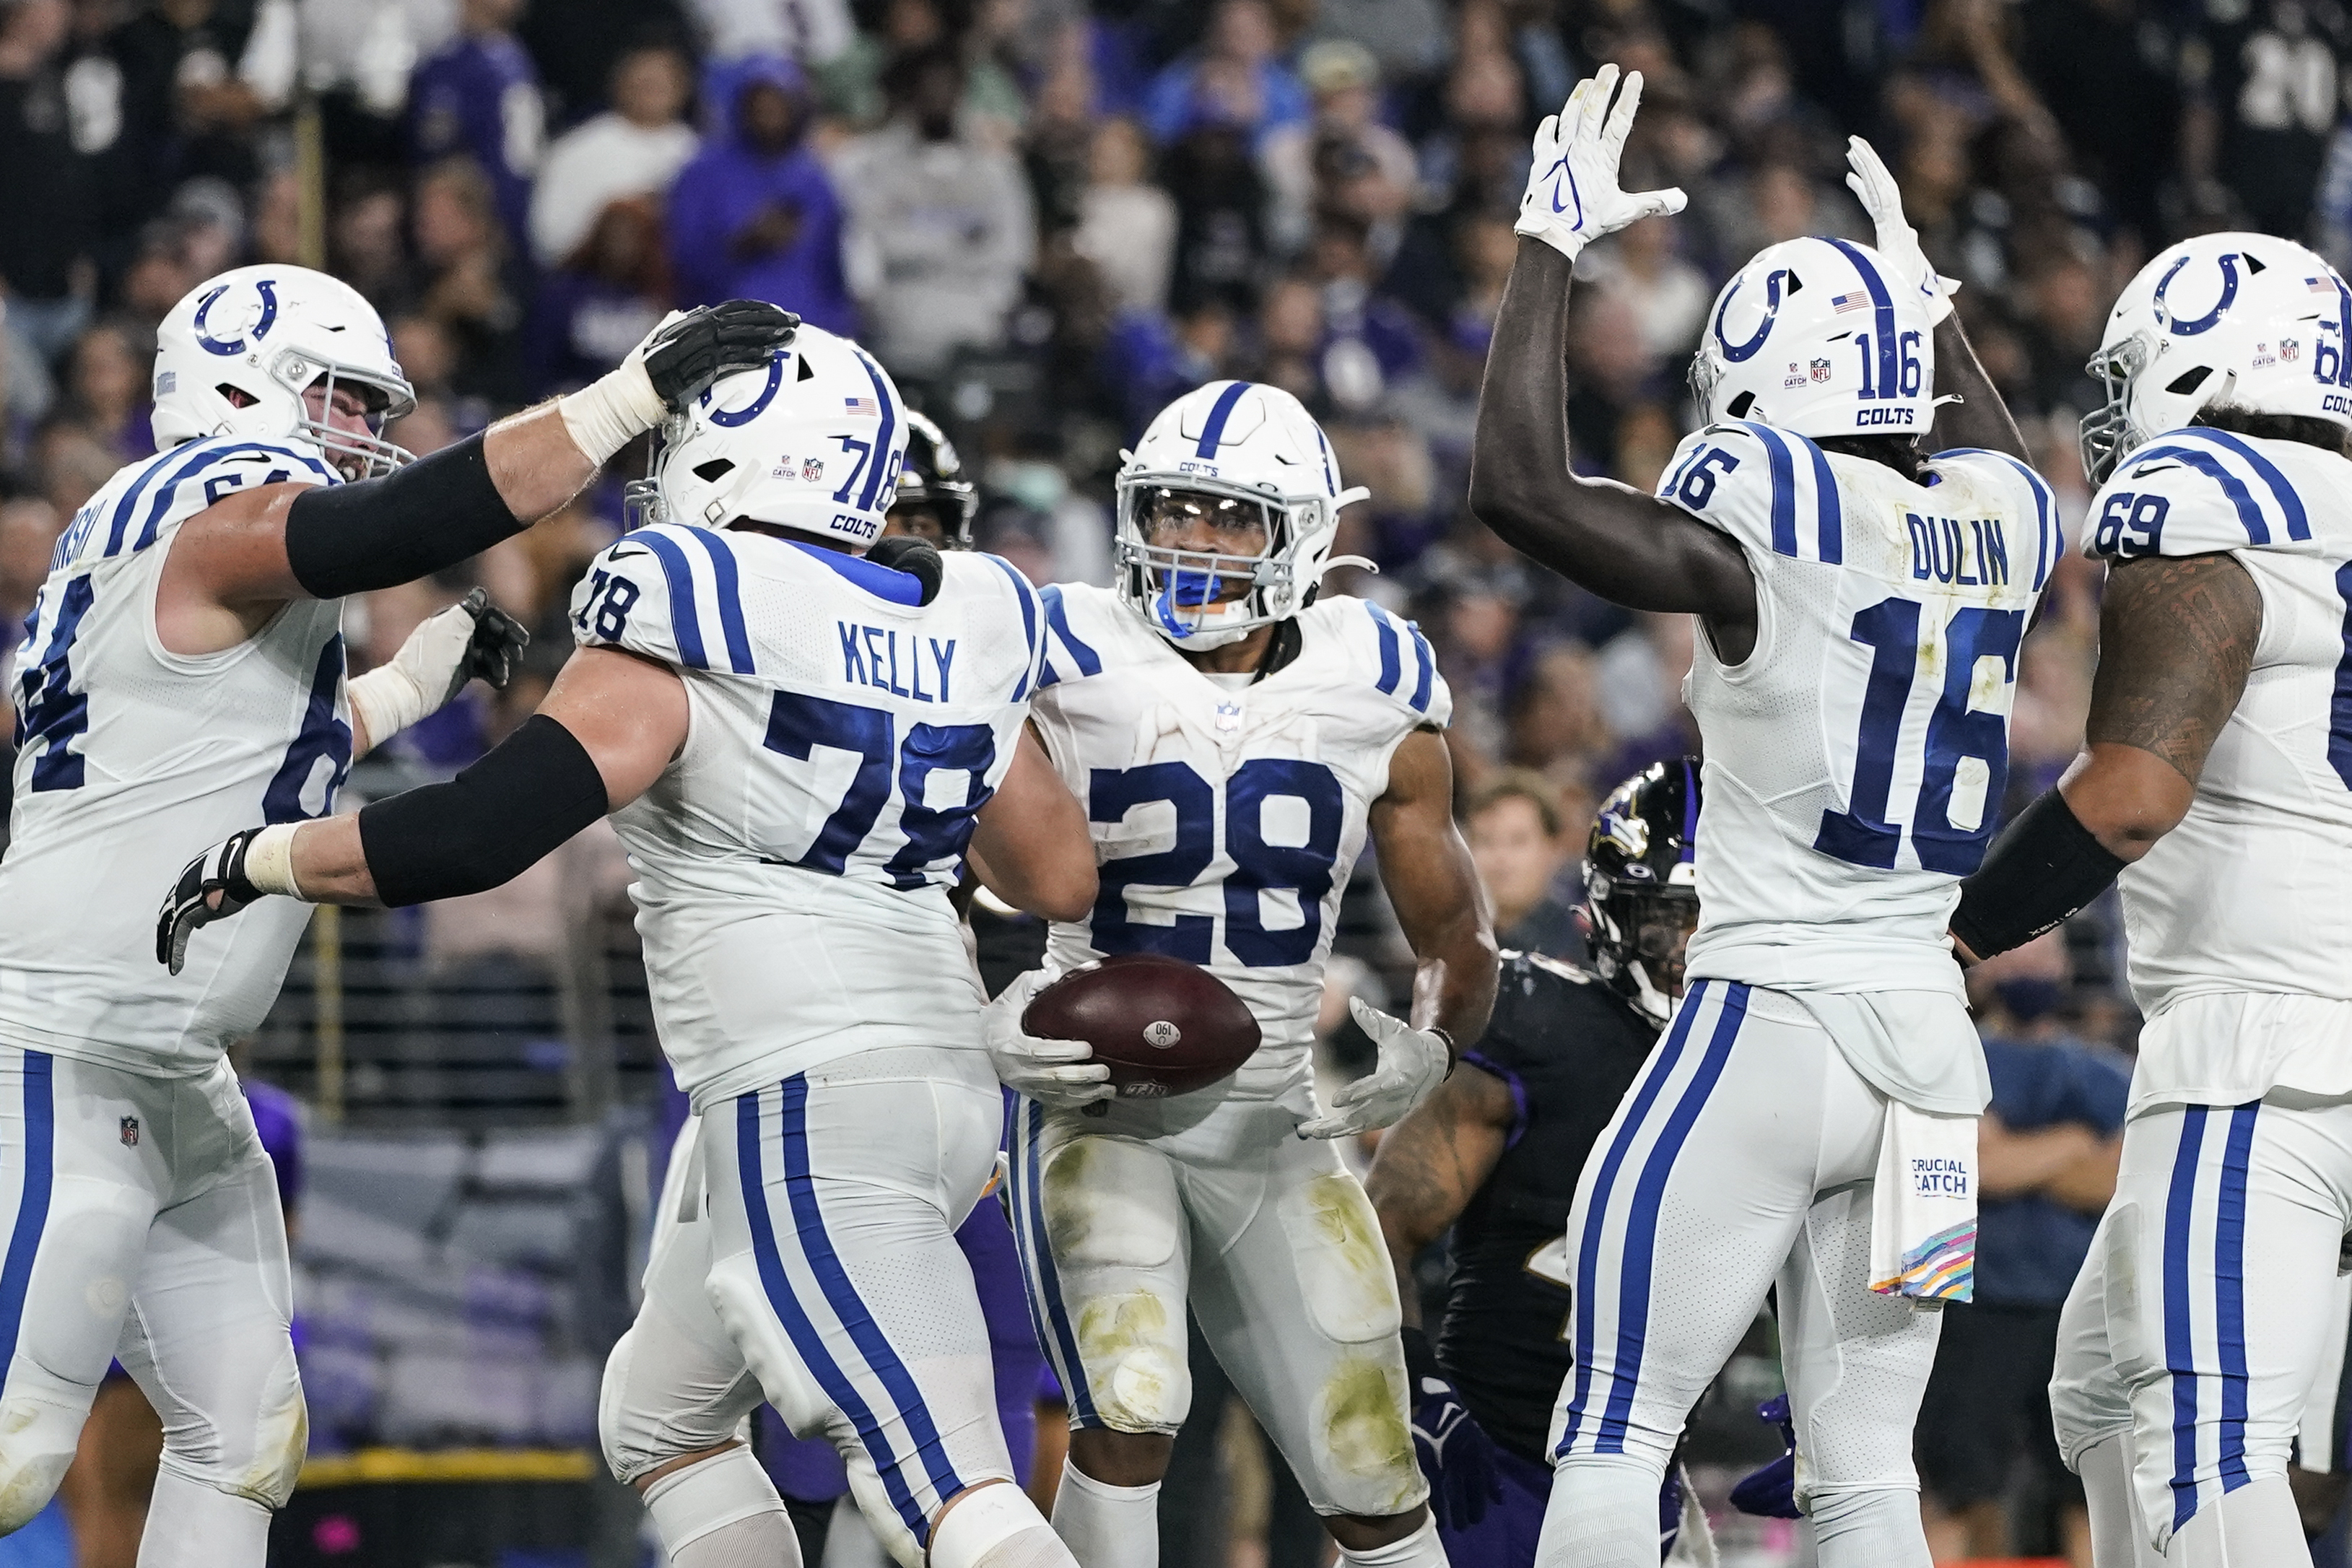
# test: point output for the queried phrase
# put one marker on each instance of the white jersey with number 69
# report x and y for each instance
(132, 759)
(793, 861)
(1855, 759)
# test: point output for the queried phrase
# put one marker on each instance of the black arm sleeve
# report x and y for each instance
(488, 824)
(376, 533)
(2042, 868)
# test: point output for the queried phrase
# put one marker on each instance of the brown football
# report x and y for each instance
(1164, 1026)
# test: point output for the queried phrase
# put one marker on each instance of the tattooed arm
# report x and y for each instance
(1431, 1163)
(2177, 640)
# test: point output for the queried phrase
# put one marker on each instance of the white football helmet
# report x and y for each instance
(813, 443)
(2248, 320)
(235, 357)
(1819, 337)
(1229, 448)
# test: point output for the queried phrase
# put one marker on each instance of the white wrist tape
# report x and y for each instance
(269, 860)
(609, 413)
(387, 701)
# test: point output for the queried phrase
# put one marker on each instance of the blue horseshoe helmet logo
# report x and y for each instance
(2189, 329)
(767, 394)
(1737, 353)
(266, 289)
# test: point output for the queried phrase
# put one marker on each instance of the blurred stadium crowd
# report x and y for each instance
(1050, 216)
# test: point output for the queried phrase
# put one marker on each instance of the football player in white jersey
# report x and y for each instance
(1860, 608)
(799, 741)
(1236, 738)
(2218, 784)
(184, 674)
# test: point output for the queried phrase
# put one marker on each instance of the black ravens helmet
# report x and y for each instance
(932, 482)
(1641, 883)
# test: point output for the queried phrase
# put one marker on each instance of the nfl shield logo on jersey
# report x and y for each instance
(131, 1133)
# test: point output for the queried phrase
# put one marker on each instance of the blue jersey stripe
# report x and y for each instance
(1882, 307)
(1425, 668)
(2249, 511)
(1829, 521)
(825, 1263)
(1391, 655)
(685, 620)
(1641, 1226)
(882, 581)
(1088, 662)
(2298, 522)
(2045, 530)
(32, 1200)
(2180, 1350)
(2230, 1292)
(1214, 432)
(162, 502)
(1022, 592)
(804, 1333)
(1588, 1257)
(1784, 486)
(731, 600)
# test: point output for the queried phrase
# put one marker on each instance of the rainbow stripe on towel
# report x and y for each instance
(1941, 1269)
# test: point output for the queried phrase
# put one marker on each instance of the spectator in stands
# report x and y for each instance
(754, 216)
(578, 44)
(366, 243)
(462, 247)
(1126, 226)
(811, 32)
(590, 313)
(941, 229)
(1345, 137)
(1220, 245)
(2047, 1149)
(634, 149)
(1668, 295)
(1556, 726)
(194, 78)
(1522, 843)
(106, 389)
(45, 266)
(1235, 78)
(479, 97)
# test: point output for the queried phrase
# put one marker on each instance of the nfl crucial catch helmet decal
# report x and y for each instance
(1230, 448)
(237, 355)
(813, 442)
(1819, 337)
(2245, 320)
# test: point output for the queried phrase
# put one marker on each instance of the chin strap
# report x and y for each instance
(1339, 561)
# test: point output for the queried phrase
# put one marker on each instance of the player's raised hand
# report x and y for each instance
(1412, 1063)
(212, 886)
(1455, 1454)
(1874, 186)
(676, 363)
(1572, 195)
(1056, 1074)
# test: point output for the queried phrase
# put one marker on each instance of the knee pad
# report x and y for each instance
(1344, 1271)
(1132, 1347)
(36, 1443)
(994, 1526)
(260, 1465)
(650, 1409)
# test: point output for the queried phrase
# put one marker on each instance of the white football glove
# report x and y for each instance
(1056, 1074)
(1897, 241)
(1572, 197)
(447, 650)
(1413, 1062)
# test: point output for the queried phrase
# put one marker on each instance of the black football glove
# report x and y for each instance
(495, 649)
(212, 886)
(684, 357)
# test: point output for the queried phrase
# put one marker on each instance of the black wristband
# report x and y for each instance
(487, 826)
(377, 534)
(2045, 866)
(1420, 1359)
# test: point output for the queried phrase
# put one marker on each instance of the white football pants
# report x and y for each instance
(1742, 1159)
(2207, 1304)
(143, 1223)
(1123, 1218)
(823, 1274)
